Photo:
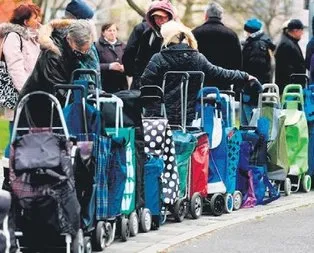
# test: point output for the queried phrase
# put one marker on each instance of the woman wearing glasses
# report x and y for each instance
(61, 54)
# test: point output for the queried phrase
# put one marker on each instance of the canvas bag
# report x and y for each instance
(8, 93)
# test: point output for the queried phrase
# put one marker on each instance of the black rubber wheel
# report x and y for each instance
(99, 236)
(217, 204)
(88, 245)
(133, 222)
(125, 229)
(179, 210)
(78, 242)
(196, 205)
(146, 220)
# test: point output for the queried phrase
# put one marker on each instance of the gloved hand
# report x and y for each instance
(251, 89)
(255, 85)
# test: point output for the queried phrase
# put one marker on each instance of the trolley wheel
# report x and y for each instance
(78, 242)
(228, 203)
(155, 222)
(237, 200)
(306, 183)
(287, 186)
(125, 229)
(110, 232)
(179, 210)
(146, 220)
(133, 222)
(87, 245)
(217, 204)
(99, 236)
(196, 205)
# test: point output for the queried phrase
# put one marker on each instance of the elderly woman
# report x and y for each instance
(20, 49)
(111, 50)
(62, 53)
(180, 53)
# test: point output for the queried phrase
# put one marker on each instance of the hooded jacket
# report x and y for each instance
(150, 42)
(54, 66)
(20, 52)
(181, 57)
(256, 56)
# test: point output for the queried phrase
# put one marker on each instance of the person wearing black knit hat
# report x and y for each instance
(289, 56)
(78, 9)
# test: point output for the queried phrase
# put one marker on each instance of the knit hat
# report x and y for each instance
(295, 24)
(214, 10)
(252, 25)
(79, 9)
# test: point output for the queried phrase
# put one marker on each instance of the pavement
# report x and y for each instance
(172, 233)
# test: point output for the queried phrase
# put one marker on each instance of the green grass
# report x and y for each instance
(4, 135)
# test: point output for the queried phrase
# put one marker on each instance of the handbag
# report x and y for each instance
(8, 93)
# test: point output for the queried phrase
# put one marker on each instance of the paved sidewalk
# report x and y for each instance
(173, 233)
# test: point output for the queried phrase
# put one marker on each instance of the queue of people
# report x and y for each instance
(40, 56)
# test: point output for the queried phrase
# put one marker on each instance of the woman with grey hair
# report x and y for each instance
(61, 54)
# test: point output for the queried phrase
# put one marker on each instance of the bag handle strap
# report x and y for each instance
(2, 43)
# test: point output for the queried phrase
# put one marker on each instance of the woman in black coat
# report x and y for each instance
(180, 54)
(110, 51)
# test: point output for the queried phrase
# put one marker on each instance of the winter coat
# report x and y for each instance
(289, 60)
(219, 44)
(256, 56)
(150, 42)
(111, 80)
(54, 66)
(132, 47)
(181, 57)
(20, 51)
(309, 52)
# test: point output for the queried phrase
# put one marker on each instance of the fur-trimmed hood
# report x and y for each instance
(46, 31)
(6, 28)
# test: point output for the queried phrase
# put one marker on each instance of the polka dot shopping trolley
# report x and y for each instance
(188, 150)
(161, 166)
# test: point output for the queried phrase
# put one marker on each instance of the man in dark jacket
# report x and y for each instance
(289, 57)
(219, 44)
(149, 41)
(61, 55)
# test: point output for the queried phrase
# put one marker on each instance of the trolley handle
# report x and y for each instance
(295, 76)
